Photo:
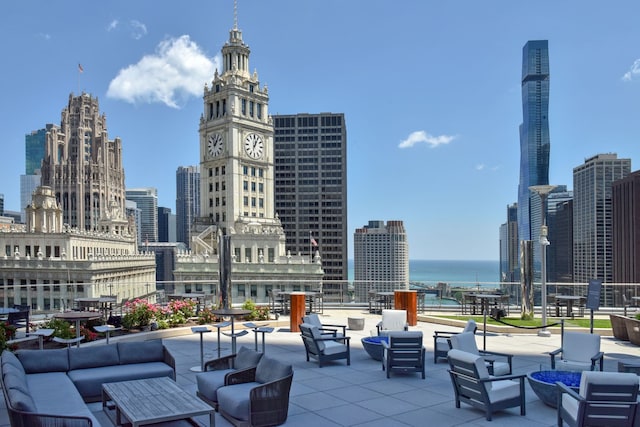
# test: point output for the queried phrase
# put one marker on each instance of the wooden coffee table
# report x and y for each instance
(150, 401)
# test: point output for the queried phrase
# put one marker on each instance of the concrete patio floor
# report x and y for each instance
(360, 394)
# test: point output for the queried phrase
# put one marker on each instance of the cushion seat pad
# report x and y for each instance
(209, 382)
(234, 399)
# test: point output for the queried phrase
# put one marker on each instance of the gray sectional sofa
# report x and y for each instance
(47, 387)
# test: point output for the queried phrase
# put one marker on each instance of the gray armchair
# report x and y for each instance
(473, 385)
(441, 345)
(392, 320)
(466, 341)
(324, 348)
(257, 396)
(579, 352)
(217, 370)
(605, 399)
(403, 353)
(325, 328)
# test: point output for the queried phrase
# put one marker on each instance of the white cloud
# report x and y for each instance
(138, 29)
(112, 25)
(480, 167)
(177, 71)
(634, 70)
(422, 136)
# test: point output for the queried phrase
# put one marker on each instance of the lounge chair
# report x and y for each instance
(392, 320)
(579, 352)
(441, 345)
(467, 342)
(324, 348)
(403, 353)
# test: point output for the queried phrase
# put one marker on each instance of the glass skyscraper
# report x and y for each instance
(534, 139)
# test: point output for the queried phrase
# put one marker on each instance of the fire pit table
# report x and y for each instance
(543, 383)
(373, 346)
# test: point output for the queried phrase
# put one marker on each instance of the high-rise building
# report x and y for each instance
(82, 165)
(592, 216)
(509, 247)
(534, 141)
(146, 199)
(311, 188)
(237, 203)
(560, 226)
(34, 150)
(381, 258)
(1, 204)
(626, 230)
(164, 217)
(187, 200)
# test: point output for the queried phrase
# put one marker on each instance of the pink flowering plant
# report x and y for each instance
(138, 313)
(178, 311)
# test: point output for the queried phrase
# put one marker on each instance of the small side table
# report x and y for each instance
(200, 330)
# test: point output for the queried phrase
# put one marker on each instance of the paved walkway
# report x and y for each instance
(360, 394)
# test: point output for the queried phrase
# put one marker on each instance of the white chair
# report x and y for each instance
(604, 399)
(393, 320)
(579, 352)
(473, 385)
(467, 342)
(325, 328)
(441, 344)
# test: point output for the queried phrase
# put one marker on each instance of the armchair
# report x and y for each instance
(257, 396)
(404, 352)
(467, 342)
(217, 370)
(392, 320)
(604, 398)
(579, 352)
(473, 385)
(325, 328)
(441, 345)
(324, 348)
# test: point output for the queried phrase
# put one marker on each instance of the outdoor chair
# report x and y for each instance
(392, 320)
(403, 353)
(19, 319)
(257, 396)
(325, 328)
(473, 385)
(216, 371)
(324, 348)
(604, 399)
(579, 352)
(441, 345)
(467, 342)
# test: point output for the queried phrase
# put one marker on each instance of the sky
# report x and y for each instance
(430, 91)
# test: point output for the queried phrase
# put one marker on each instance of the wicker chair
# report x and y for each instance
(441, 345)
(473, 385)
(217, 370)
(257, 396)
(324, 348)
(604, 399)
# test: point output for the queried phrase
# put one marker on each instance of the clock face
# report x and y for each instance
(214, 145)
(254, 146)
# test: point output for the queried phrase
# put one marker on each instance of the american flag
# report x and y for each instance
(80, 69)
(313, 242)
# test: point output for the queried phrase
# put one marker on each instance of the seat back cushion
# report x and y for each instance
(479, 369)
(269, 369)
(405, 339)
(10, 359)
(44, 360)
(580, 346)
(246, 358)
(140, 352)
(312, 319)
(20, 400)
(315, 333)
(470, 326)
(93, 357)
(465, 341)
(618, 385)
(394, 320)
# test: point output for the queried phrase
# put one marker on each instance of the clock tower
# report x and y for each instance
(236, 156)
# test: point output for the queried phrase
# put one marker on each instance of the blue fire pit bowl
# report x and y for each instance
(373, 346)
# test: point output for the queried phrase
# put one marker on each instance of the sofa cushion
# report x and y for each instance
(209, 382)
(16, 381)
(93, 357)
(140, 352)
(21, 400)
(10, 359)
(64, 401)
(270, 370)
(89, 382)
(246, 358)
(44, 360)
(234, 399)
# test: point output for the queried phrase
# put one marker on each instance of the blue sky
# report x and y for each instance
(430, 91)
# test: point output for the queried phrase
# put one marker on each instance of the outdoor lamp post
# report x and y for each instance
(543, 191)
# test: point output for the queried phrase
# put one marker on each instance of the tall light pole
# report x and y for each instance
(543, 192)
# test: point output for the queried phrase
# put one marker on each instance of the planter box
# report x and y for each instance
(633, 330)
(619, 327)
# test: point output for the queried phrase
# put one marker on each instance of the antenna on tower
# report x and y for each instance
(235, 14)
